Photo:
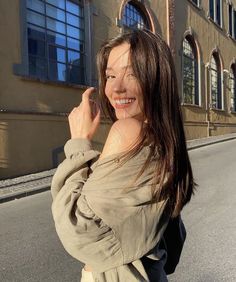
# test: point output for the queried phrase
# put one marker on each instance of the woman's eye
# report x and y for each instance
(109, 76)
(130, 75)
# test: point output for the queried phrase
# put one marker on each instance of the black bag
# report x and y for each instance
(173, 241)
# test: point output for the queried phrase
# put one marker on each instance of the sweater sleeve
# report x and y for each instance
(103, 218)
(83, 234)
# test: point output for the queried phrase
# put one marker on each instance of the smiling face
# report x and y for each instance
(122, 87)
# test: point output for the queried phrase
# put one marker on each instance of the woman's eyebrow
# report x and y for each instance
(109, 68)
(124, 67)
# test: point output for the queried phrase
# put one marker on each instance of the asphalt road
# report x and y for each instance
(209, 254)
(31, 251)
(29, 247)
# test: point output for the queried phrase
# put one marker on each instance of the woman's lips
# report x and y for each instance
(123, 103)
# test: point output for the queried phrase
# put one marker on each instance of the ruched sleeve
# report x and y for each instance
(82, 233)
(104, 217)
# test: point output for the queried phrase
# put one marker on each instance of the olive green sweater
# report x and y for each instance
(104, 218)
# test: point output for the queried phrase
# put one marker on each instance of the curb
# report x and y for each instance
(192, 147)
(21, 194)
(46, 187)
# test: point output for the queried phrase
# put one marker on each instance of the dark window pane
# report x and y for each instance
(218, 12)
(73, 8)
(211, 8)
(57, 71)
(35, 18)
(75, 58)
(36, 5)
(75, 74)
(36, 47)
(75, 44)
(196, 82)
(219, 98)
(230, 21)
(36, 32)
(56, 26)
(56, 38)
(234, 24)
(57, 54)
(58, 3)
(37, 67)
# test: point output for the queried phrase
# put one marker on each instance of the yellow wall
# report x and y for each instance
(33, 122)
(208, 36)
(29, 142)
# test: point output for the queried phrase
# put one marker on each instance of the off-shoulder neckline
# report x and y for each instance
(115, 157)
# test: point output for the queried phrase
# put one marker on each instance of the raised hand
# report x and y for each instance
(84, 119)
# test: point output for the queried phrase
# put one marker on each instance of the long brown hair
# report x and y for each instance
(153, 66)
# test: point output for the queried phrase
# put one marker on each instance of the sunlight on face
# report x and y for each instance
(122, 87)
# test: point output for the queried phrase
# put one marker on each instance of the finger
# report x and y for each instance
(97, 117)
(87, 94)
(71, 112)
(94, 108)
(75, 108)
(96, 122)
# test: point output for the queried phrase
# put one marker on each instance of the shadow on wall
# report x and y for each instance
(4, 164)
(27, 143)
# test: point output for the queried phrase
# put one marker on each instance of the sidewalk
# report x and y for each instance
(26, 185)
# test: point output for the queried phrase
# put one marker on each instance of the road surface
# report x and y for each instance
(31, 251)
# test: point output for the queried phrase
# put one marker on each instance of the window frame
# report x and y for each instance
(232, 76)
(220, 92)
(214, 17)
(22, 69)
(138, 5)
(195, 4)
(196, 97)
(231, 21)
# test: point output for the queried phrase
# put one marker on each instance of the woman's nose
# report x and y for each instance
(119, 85)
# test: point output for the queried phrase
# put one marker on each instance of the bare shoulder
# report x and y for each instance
(123, 134)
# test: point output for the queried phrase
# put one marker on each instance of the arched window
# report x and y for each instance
(232, 85)
(134, 16)
(216, 82)
(190, 72)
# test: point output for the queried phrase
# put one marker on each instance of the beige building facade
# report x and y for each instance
(47, 53)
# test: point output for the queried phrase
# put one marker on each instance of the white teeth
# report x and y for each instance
(124, 101)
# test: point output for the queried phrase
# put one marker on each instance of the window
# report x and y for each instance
(196, 2)
(216, 82)
(232, 21)
(232, 86)
(134, 17)
(234, 35)
(55, 32)
(190, 72)
(215, 11)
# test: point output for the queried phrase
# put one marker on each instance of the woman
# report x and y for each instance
(111, 209)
